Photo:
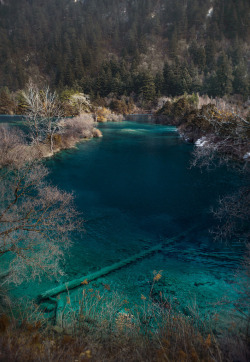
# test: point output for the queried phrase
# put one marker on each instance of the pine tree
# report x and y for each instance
(224, 76)
(210, 51)
(241, 80)
(147, 87)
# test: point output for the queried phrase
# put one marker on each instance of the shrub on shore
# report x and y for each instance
(174, 111)
(78, 127)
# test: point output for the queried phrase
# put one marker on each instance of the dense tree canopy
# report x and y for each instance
(107, 46)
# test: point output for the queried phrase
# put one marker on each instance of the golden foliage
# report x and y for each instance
(101, 114)
(85, 282)
(157, 275)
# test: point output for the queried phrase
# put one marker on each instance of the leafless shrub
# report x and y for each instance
(35, 223)
(227, 139)
(213, 151)
(13, 147)
(43, 113)
(113, 117)
(204, 101)
(79, 127)
(36, 218)
(228, 145)
(233, 213)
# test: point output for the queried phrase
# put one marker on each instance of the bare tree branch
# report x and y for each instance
(36, 218)
(43, 114)
(227, 144)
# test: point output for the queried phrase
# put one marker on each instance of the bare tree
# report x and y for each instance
(227, 144)
(43, 114)
(227, 139)
(234, 216)
(36, 218)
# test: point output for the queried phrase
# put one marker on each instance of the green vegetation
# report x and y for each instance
(175, 110)
(146, 48)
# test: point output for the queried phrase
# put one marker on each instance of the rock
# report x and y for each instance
(58, 329)
(97, 133)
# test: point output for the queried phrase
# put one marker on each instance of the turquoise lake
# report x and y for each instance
(135, 189)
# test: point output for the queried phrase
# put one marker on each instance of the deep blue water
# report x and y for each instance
(138, 177)
(134, 188)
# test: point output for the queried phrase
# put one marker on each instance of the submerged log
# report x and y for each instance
(104, 271)
(100, 273)
(59, 311)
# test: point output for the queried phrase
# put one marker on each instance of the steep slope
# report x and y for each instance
(142, 46)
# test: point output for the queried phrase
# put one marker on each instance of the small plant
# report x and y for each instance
(104, 328)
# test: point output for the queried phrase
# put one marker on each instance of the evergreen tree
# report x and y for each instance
(224, 76)
(69, 42)
(198, 55)
(7, 103)
(241, 80)
(147, 87)
(169, 80)
(159, 83)
(210, 51)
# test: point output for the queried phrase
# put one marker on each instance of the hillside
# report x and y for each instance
(144, 47)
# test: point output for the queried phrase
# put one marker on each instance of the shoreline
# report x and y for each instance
(73, 131)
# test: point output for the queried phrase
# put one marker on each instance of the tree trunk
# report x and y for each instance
(51, 143)
(104, 271)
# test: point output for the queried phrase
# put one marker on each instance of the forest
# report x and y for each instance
(143, 48)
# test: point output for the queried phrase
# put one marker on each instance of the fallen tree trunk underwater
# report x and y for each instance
(59, 310)
(104, 271)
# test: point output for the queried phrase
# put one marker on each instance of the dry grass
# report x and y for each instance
(102, 327)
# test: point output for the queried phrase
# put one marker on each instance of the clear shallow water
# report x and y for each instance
(134, 188)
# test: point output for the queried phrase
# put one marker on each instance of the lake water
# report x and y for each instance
(135, 189)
